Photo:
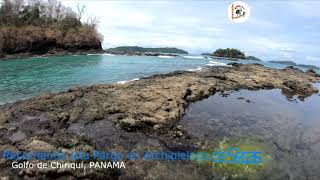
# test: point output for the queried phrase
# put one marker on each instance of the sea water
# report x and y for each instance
(26, 78)
(288, 129)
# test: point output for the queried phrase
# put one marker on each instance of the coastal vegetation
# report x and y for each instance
(230, 53)
(40, 26)
(137, 49)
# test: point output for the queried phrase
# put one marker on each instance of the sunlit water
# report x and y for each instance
(290, 130)
(26, 78)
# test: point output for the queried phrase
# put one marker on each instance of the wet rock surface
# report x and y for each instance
(136, 115)
(287, 130)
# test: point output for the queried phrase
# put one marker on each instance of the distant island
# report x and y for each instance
(136, 50)
(28, 28)
(231, 54)
(291, 63)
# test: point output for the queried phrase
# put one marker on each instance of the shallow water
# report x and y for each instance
(26, 78)
(290, 130)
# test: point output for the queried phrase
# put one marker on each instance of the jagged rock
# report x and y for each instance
(37, 145)
(5, 117)
(234, 64)
(17, 137)
(312, 72)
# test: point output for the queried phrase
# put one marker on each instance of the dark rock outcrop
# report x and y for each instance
(43, 46)
(312, 72)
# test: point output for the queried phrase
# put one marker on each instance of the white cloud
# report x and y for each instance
(313, 60)
(204, 26)
(268, 43)
(287, 49)
(262, 23)
(306, 8)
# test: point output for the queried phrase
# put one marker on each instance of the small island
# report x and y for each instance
(230, 54)
(291, 63)
(141, 51)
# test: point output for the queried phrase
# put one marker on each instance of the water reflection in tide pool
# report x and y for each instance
(289, 129)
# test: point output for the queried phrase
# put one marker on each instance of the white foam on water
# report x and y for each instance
(196, 69)
(123, 82)
(162, 56)
(194, 57)
(107, 54)
(214, 63)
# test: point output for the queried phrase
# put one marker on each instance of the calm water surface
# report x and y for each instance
(290, 130)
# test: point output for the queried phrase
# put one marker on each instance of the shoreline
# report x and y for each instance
(199, 87)
(54, 52)
(149, 108)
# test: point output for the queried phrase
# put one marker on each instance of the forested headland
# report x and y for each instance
(45, 26)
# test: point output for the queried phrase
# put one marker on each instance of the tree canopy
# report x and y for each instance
(229, 52)
(41, 13)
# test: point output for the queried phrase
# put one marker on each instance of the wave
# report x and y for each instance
(123, 82)
(107, 54)
(214, 63)
(194, 57)
(197, 69)
(162, 56)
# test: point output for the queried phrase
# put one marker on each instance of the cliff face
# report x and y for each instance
(41, 40)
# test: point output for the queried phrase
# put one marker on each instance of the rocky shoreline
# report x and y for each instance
(52, 52)
(61, 52)
(134, 115)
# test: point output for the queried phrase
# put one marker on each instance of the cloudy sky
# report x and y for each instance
(276, 30)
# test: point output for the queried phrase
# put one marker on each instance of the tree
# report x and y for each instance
(92, 22)
(81, 10)
(69, 22)
(229, 52)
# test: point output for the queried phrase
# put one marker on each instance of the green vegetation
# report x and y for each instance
(38, 26)
(230, 53)
(134, 49)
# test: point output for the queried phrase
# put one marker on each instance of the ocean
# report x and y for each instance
(27, 78)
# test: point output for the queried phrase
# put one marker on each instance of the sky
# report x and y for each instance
(276, 30)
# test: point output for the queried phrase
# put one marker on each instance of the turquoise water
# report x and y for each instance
(26, 78)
